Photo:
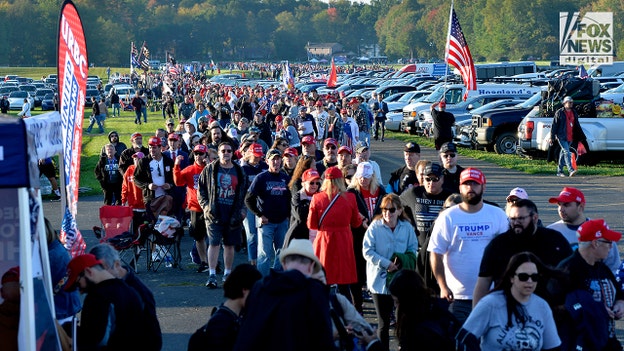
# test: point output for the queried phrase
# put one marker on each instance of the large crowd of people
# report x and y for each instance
(289, 178)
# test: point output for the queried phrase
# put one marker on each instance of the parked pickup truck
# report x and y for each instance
(497, 129)
(605, 134)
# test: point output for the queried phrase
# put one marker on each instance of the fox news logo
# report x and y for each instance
(587, 39)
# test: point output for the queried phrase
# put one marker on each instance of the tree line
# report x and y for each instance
(243, 30)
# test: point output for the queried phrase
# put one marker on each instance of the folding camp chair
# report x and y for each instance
(164, 240)
(117, 230)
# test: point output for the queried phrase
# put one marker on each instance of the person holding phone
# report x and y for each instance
(389, 243)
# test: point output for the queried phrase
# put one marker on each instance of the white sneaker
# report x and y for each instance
(560, 174)
(573, 173)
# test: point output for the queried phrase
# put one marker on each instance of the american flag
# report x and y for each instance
(582, 72)
(458, 54)
(134, 54)
(70, 235)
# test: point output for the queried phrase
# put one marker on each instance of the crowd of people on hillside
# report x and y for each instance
(289, 178)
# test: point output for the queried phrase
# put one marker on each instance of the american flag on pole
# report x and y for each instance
(458, 54)
(134, 55)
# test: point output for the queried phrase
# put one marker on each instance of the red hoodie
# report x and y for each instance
(130, 193)
(189, 177)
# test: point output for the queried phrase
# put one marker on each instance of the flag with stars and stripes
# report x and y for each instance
(458, 54)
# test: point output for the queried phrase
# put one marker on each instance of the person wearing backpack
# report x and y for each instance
(224, 323)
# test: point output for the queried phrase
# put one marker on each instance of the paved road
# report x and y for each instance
(184, 303)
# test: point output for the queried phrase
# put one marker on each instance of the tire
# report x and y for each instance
(506, 143)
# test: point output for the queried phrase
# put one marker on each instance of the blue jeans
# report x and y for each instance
(270, 241)
(95, 119)
(565, 156)
(252, 236)
(364, 137)
(144, 112)
(116, 110)
(461, 309)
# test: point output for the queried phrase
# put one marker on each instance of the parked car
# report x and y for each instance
(29, 88)
(16, 99)
(5, 91)
(89, 93)
(40, 94)
(47, 102)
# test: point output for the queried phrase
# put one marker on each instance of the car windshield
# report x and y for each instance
(451, 95)
(531, 101)
(18, 94)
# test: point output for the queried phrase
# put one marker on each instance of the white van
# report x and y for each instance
(604, 70)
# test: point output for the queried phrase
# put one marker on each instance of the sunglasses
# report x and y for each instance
(433, 180)
(200, 154)
(315, 183)
(449, 155)
(330, 147)
(390, 209)
(523, 277)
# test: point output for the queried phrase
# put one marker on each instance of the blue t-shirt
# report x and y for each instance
(273, 195)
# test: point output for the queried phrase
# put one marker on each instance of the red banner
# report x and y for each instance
(73, 68)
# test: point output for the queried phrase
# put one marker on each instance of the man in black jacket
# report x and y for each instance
(221, 195)
(289, 310)
(442, 124)
(565, 130)
(222, 328)
(154, 174)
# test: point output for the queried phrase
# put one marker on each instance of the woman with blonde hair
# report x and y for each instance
(333, 211)
(368, 194)
(291, 131)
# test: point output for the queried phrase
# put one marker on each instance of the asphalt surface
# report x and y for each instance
(184, 303)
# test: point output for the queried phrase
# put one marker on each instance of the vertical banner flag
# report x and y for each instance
(332, 80)
(458, 54)
(134, 55)
(72, 70)
(287, 78)
(144, 57)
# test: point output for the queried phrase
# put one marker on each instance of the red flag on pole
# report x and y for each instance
(458, 54)
(331, 81)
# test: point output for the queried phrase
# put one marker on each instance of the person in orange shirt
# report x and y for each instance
(132, 195)
(189, 177)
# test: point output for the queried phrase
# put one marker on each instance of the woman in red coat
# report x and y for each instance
(334, 242)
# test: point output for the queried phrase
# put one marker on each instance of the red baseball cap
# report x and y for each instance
(310, 174)
(345, 149)
(155, 141)
(330, 141)
(354, 101)
(343, 110)
(333, 173)
(568, 194)
(200, 148)
(308, 139)
(12, 275)
(256, 149)
(473, 174)
(442, 104)
(76, 266)
(174, 136)
(135, 135)
(596, 229)
(291, 151)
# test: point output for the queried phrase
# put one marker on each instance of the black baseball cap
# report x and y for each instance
(448, 147)
(412, 147)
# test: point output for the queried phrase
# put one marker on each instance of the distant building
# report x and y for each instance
(323, 49)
